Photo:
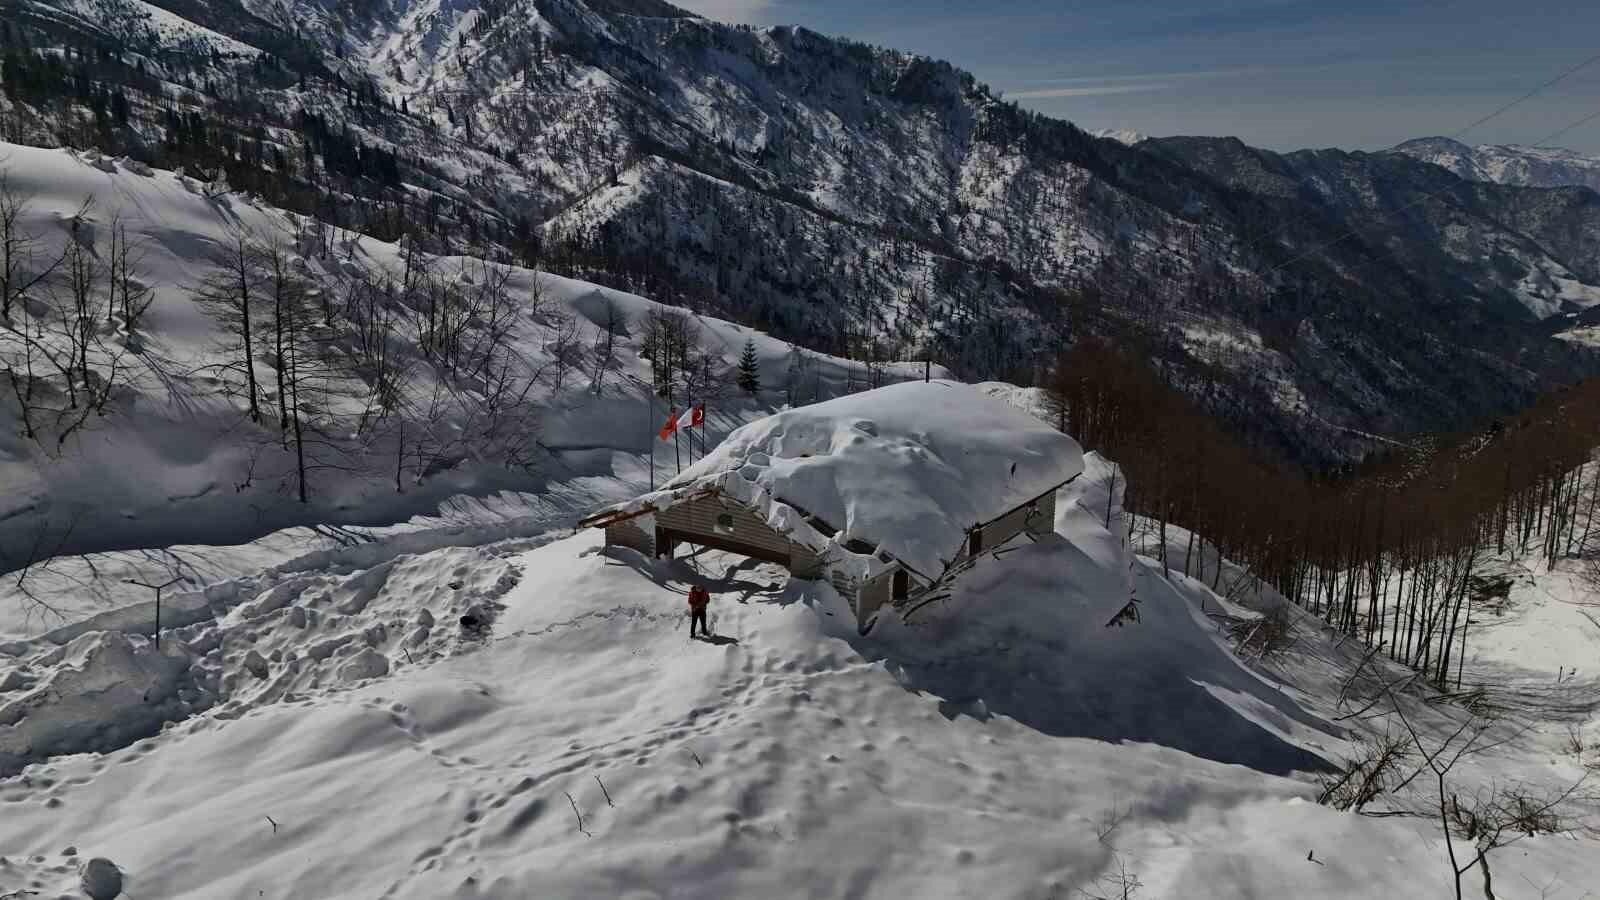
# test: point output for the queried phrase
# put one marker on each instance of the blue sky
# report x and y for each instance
(1284, 75)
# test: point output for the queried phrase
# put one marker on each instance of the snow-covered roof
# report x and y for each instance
(906, 469)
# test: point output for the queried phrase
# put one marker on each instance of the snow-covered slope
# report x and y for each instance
(1509, 163)
(362, 744)
(868, 202)
(175, 460)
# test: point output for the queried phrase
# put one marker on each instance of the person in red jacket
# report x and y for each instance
(699, 598)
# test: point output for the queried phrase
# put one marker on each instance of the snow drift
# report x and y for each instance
(101, 692)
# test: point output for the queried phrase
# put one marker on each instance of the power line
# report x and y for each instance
(1347, 235)
(1529, 95)
(1552, 137)
(1498, 112)
(1426, 195)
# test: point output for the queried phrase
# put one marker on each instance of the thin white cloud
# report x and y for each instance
(1047, 93)
(1160, 76)
(748, 12)
(1094, 85)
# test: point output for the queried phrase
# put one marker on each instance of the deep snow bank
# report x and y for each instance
(1034, 633)
(246, 642)
(100, 692)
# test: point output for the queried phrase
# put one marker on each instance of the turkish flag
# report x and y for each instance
(694, 415)
(671, 427)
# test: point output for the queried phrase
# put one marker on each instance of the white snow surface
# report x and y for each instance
(1006, 744)
(174, 464)
(1587, 335)
(1127, 136)
(907, 468)
(1509, 163)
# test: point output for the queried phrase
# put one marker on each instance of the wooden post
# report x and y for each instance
(158, 588)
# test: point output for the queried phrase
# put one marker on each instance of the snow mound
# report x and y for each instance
(103, 691)
(261, 640)
(906, 468)
(1030, 636)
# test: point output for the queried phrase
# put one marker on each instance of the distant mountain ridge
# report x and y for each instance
(1508, 163)
(862, 201)
(1121, 135)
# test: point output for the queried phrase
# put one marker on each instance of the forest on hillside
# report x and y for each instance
(1388, 550)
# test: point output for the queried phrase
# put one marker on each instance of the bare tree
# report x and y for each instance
(18, 273)
(800, 371)
(293, 359)
(614, 323)
(78, 306)
(27, 340)
(564, 347)
(1495, 818)
(669, 338)
(371, 314)
(68, 372)
(705, 376)
(232, 294)
(129, 297)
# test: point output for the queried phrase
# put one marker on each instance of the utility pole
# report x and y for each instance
(158, 588)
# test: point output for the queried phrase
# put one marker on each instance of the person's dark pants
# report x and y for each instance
(698, 615)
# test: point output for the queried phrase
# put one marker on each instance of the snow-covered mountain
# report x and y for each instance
(1508, 163)
(862, 201)
(1121, 135)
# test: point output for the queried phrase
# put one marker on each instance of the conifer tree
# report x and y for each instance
(749, 369)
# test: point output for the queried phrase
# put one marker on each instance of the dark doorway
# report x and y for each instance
(901, 584)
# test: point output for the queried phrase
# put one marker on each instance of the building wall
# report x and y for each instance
(1036, 517)
(846, 585)
(873, 594)
(636, 534)
(1045, 521)
(701, 517)
(803, 563)
(741, 532)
